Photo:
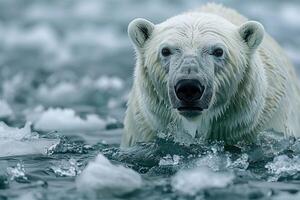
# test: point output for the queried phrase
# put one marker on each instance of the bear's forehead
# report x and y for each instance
(195, 23)
(197, 19)
(194, 29)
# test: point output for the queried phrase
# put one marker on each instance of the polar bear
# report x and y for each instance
(211, 74)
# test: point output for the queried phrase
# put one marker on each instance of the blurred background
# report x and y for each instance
(76, 53)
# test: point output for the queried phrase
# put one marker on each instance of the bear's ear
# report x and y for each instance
(139, 31)
(252, 33)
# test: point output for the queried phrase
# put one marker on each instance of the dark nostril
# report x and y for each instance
(189, 90)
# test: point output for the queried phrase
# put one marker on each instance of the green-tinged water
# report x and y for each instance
(65, 73)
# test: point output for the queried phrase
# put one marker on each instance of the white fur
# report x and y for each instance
(257, 90)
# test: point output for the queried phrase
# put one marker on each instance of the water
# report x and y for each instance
(65, 72)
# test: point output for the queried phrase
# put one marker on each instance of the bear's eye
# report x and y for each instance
(165, 52)
(218, 52)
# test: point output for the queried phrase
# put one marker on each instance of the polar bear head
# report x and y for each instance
(195, 61)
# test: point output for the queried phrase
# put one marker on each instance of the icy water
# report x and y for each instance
(66, 69)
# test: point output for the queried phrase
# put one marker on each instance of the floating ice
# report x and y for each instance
(214, 161)
(60, 119)
(26, 147)
(42, 36)
(5, 110)
(105, 83)
(282, 164)
(21, 141)
(63, 93)
(7, 132)
(107, 179)
(191, 181)
(66, 168)
(67, 92)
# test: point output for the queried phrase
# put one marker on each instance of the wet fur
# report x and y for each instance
(265, 92)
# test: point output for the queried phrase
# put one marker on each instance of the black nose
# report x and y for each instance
(189, 90)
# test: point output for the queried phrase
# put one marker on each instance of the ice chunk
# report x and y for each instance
(105, 83)
(27, 147)
(61, 94)
(7, 132)
(41, 35)
(106, 179)
(214, 161)
(67, 168)
(66, 120)
(5, 110)
(66, 92)
(21, 141)
(191, 181)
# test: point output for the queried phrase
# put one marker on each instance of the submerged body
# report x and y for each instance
(211, 74)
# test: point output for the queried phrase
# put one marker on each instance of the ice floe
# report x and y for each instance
(22, 141)
(191, 181)
(65, 119)
(7, 132)
(105, 82)
(84, 90)
(105, 179)
(40, 35)
(62, 93)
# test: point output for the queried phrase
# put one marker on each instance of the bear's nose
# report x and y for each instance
(189, 90)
